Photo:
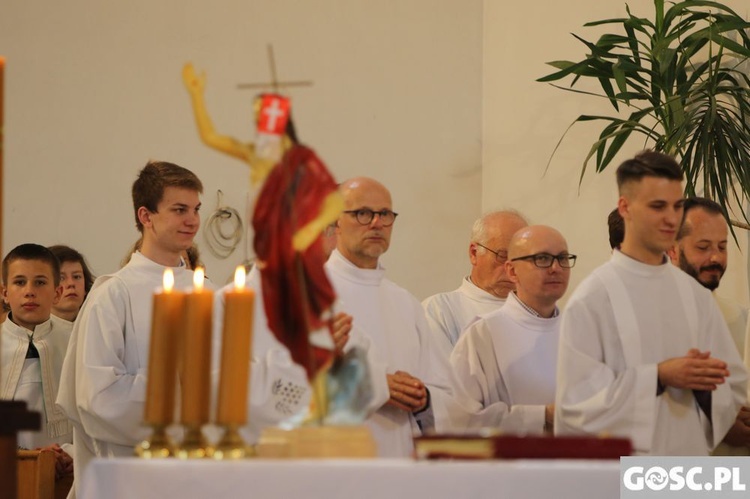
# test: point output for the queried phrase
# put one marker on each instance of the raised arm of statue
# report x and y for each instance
(196, 85)
(244, 151)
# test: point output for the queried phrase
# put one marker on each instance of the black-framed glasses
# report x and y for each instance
(545, 260)
(365, 216)
(499, 257)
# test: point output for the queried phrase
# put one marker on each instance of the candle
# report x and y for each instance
(166, 323)
(236, 344)
(196, 349)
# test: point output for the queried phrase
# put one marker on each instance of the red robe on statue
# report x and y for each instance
(296, 291)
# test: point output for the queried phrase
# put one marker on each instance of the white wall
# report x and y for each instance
(523, 120)
(416, 93)
(93, 90)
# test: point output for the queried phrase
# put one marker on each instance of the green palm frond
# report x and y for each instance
(677, 79)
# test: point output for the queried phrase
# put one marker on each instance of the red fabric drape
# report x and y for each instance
(296, 290)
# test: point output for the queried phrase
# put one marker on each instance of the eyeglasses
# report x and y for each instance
(366, 215)
(499, 257)
(545, 260)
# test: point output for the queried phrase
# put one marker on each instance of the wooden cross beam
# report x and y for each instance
(274, 84)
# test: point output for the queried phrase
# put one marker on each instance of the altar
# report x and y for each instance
(383, 478)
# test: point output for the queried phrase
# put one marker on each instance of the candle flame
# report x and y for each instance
(239, 277)
(168, 280)
(198, 278)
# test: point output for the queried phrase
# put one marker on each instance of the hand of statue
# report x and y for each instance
(407, 392)
(342, 326)
(695, 371)
(194, 83)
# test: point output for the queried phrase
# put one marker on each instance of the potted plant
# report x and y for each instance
(680, 82)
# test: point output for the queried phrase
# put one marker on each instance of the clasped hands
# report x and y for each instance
(695, 371)
(407, 392)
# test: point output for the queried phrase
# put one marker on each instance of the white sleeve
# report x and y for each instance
(435, 372)
(728, 397)
(439, 324)
(592, 397)
(480, 388)
(110, 395)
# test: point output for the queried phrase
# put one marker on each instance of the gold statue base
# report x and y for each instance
(156, 447)
(232, 446)
(194, 445)
(318, 442)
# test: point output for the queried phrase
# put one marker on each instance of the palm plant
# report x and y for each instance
(680, 78)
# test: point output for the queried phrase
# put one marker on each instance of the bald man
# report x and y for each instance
(389, 315)
(486, 288)
(505, 361)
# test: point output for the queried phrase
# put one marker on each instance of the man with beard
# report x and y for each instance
(701, 251)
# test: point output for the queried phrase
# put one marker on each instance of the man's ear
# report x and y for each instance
(674, 254)
(58, 294)
(144, 216)
(623, 207)
(473, 248)
(510, 270)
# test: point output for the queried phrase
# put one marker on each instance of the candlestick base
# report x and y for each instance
(194, 445)
(159, 445)
(232, 446)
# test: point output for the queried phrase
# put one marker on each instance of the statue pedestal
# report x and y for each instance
(13, 418)
(317, 442)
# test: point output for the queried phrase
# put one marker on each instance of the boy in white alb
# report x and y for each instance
(33, 348)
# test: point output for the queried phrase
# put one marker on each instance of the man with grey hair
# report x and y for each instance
(486, 288)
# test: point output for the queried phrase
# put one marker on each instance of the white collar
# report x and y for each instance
(630, 264)
(476, 293)
(347, 270)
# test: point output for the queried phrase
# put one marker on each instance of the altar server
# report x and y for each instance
(644, 350)
(103, 387)
(389, 315)
(485, 289)
(505, 361)
(33, 348)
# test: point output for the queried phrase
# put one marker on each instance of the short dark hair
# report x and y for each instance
(148, 189)
(68, 254)
(648, 164)
(31, 251)
(616, 229)
(709, 206)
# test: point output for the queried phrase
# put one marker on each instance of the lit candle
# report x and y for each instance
(197, 353)
(166, 325)
(236, 343)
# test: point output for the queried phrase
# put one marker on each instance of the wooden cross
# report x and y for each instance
(275, 84)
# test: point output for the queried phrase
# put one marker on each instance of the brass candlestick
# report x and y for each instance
(232, 446)
(194, 445)
(159, 445)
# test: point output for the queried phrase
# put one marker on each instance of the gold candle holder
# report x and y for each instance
(159, 445)
(194, 445)
(232, 446)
